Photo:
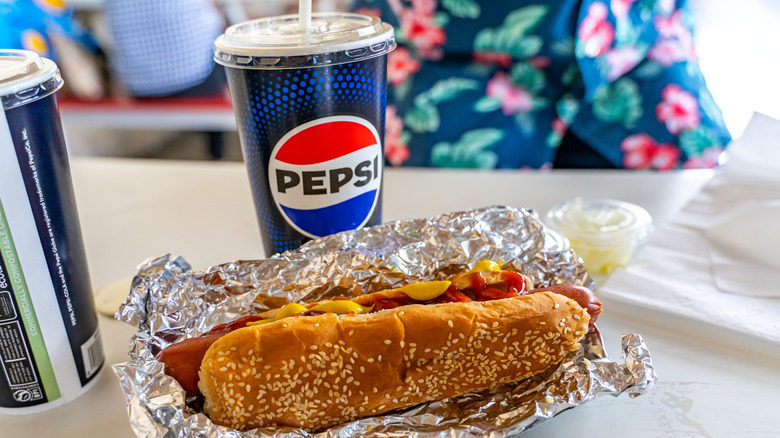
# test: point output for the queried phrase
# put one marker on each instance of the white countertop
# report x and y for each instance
(711, 382)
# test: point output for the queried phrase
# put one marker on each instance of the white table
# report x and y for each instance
(712, 383)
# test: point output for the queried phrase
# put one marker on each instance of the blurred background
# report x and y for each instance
(738, 45)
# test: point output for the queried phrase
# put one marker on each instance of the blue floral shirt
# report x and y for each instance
(498, 83)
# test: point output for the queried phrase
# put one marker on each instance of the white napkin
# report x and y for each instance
(744, 248)
(718, 261)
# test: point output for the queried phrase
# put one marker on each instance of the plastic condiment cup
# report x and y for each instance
(604, 232)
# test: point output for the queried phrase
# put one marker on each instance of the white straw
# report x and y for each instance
(304, 16)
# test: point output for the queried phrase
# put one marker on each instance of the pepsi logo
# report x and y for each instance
(325, 175)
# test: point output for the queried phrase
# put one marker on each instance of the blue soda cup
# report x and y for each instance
(310, 107)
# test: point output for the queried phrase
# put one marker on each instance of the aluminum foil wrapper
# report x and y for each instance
(169, 302)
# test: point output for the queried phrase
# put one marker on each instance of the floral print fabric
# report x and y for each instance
(498, 83)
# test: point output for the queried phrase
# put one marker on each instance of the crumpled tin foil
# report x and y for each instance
(169, 302)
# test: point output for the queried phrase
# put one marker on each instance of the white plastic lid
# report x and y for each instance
(22, 69)
(25, 77)
(280, 42)
(600, 220)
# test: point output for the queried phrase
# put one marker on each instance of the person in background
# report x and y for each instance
(546, 83)
(164, 48)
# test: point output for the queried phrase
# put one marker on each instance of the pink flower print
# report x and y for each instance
(679, 109)
(595, 31)
(396, 151)
(513, 99)
(418, 27)
(495, 58)
(621, 60)
(559, 127)
(642, 152)
(424, 35)
(637, 151)
(707, 160)
(670, 26)
(540, 62)
(675, 42)
(621, 8)
(427, 7)
(668, 52)
(665, 157)
(400, 65)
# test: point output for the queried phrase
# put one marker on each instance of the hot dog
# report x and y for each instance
(319, 365)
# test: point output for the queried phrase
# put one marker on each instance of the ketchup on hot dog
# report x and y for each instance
(182, 359)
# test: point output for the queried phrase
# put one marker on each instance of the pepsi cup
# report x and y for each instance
(50, 348)
(310, 107)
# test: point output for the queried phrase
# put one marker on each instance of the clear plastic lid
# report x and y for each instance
(281, 42)
(600, 221)
(26, 77)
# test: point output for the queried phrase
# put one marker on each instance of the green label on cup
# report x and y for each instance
(15, 356)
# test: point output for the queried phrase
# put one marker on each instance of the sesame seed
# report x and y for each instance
(388, 341)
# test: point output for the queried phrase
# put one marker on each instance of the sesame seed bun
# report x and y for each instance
(319, 371)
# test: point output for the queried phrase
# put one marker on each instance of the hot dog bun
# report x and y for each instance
(318, 371)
